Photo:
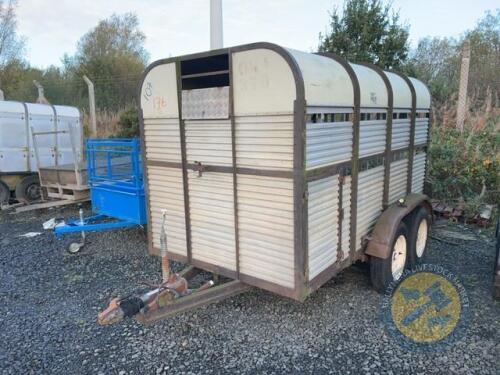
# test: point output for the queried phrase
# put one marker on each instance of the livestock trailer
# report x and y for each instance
(280, 168)
(19, 159)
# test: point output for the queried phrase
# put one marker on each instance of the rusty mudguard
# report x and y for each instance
(382, 235)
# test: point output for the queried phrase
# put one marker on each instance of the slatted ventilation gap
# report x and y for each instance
(400, 130)
(418, 177)
(264, 142)
(166, 193)
(421, 128)
(372, 133)
(265, 227)
(162, 139)
(323, 225)
(346, 222)
(328, 139)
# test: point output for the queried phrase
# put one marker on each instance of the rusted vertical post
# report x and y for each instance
(464, 80)
(93, 122)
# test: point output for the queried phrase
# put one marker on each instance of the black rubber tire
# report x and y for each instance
(28, 189)
(380, 269)
(418, 215)
(4, 193)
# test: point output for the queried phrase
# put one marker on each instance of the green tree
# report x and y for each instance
(113, 56)
(11, 44)
(369, 31)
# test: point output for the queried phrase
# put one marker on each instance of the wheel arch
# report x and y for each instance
(387, 224)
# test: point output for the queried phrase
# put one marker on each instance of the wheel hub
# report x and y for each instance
(421, 238)
(399, 253)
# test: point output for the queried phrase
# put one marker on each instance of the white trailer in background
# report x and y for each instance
(18, 156)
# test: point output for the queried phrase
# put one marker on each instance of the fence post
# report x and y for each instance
(41, 93)
(464, 80)
(93, 121)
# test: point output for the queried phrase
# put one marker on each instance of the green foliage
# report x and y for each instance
(465, 166)
(436, 62)
(367, 31)
(11, 44)
(129, 123)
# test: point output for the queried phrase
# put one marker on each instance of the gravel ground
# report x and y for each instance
(49, 301)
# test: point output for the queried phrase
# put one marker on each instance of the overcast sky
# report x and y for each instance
(176, 27)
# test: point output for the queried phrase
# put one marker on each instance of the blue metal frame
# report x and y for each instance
(116, 187)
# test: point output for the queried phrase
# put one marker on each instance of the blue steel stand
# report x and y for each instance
(116, 189)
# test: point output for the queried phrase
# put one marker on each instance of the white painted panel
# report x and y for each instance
(418, 177)
(13, 138)
(397, 181)
(372, 87)
(264, 142)
(400, 133)
(41, 119)
(263, 83)
(401, 91)
(69, 118)
(328, 143)
(421, 130)
(422, 92)
(372, 137)
(326, 82)
(323, 224)
(370, 194)
(346, 222)
(159, 93)
(211, 210)
(162, 139)
(265, 224)
(166, 192)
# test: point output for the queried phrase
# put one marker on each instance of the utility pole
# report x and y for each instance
(93, 123)
(464, 80)
(41, 93)
(216, 41)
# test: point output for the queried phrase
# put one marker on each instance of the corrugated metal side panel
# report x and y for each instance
(397, 183)
(417, 181)
(212, 218)
(166, 192)
(370, 192)
(400, 133)
(322, 224)
(264, 142)
(421, 131)
(328, 143)
(209, 142)
(266, 231)
(162, 139)
(372, 137)
(346, 222)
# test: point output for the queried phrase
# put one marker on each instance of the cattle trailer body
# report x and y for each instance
(273, 165)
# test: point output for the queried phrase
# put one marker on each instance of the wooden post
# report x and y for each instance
(93, 122)
(464, 80)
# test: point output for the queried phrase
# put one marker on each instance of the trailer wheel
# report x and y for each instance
(74, 247)
(385, 271)
(418, 234)
(4, 193)
(28, 189)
